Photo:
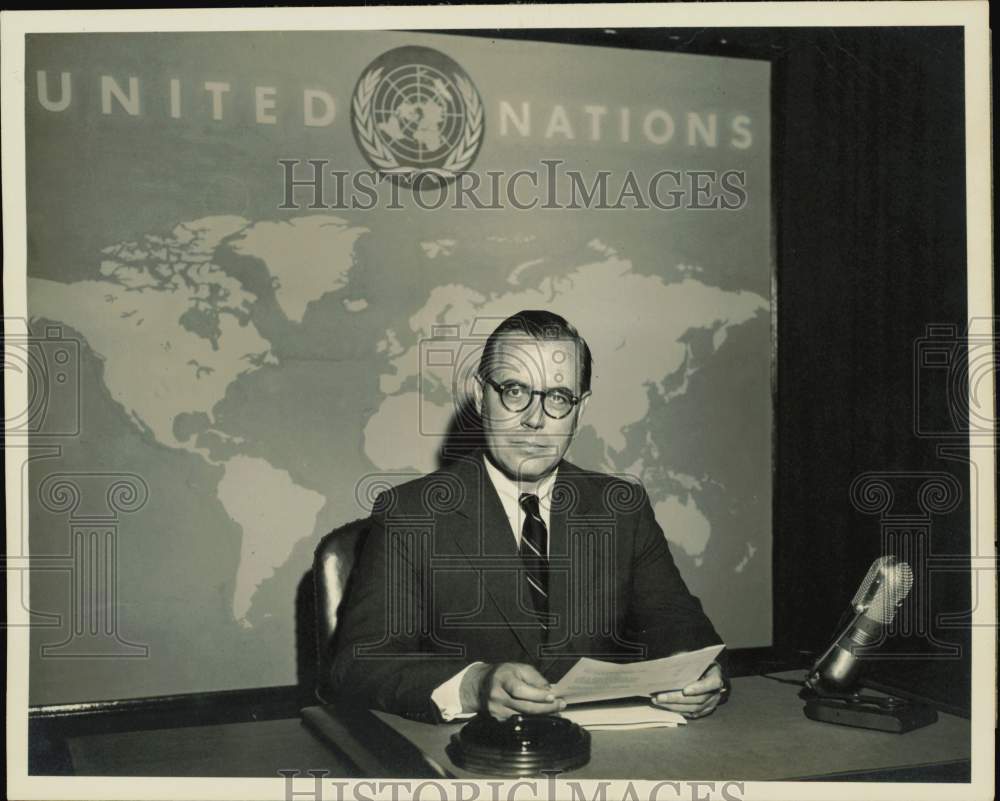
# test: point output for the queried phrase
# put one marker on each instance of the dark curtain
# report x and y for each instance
(870, 159)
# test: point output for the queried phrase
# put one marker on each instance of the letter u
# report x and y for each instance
(66, 92)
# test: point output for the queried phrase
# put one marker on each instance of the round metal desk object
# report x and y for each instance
(522, 745)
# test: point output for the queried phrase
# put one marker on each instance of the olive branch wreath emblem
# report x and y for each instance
(382, 157)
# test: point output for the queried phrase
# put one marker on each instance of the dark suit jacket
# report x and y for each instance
(438, 585)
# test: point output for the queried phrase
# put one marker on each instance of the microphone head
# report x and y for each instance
(888, 581)
(894, 584)
(863, 597)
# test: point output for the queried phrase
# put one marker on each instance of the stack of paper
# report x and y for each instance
(596, 680)
(622, 717)
(591, 680)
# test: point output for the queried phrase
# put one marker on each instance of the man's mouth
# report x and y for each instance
(529, 444)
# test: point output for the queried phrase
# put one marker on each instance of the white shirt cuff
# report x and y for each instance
(447, 697)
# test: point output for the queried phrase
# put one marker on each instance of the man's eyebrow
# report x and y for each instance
(503, 376)
(559, 388)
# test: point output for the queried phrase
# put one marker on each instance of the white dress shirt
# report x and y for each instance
(447, 697)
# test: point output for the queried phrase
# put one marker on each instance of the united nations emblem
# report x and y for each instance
(416, 110)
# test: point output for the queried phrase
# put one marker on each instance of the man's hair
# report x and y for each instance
(539, 324)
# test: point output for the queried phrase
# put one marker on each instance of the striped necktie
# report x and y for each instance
(534, 553)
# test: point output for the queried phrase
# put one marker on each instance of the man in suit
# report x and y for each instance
(482, 583)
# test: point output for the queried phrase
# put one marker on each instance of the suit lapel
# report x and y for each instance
(484, 538)
(566, 500)
(489, 533)
(559, 510)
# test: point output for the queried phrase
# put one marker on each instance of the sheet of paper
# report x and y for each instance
(631, 726)
(595, 680)
(622, 717)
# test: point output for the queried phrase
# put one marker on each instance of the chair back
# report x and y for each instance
(332, 565)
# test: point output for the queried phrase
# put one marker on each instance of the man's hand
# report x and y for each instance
(699, 698)
(510, 688)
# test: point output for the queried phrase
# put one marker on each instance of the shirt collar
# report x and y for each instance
(506, 488)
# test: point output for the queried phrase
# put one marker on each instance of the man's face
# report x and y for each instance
(529, 444)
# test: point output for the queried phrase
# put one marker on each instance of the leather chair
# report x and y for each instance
(332, 565)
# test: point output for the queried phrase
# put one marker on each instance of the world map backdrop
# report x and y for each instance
(256, 365)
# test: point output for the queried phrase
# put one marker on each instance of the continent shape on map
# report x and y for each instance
(173, 332)
(276, 505)
(307, 257)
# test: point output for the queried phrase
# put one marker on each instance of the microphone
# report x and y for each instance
(830, 690)
(884, 588)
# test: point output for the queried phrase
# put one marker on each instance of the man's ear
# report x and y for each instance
(477, 394)
(584, 400)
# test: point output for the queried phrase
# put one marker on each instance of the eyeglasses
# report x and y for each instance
(516, 397)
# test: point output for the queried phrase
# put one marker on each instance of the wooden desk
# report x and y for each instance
(761, 734)
(258, 749)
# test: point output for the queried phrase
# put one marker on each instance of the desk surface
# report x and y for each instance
(250, 750)
(760, 734)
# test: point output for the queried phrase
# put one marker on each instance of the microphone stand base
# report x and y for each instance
(883, 714)
(522, 745)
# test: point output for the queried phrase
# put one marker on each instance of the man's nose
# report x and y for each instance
(534, 415)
